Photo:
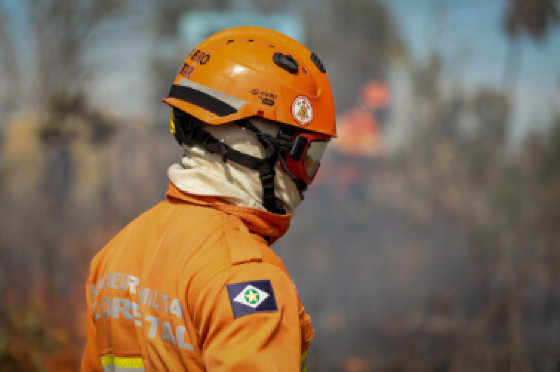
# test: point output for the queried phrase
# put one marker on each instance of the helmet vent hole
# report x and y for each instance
(230, 41)
(287, 62)
(318, 63)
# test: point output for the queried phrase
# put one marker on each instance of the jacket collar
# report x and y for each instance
(266, 224)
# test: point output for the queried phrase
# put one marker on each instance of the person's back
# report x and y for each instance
(192, 284)
(165, 300)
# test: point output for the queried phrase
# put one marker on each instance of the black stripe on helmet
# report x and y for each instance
(202, 100)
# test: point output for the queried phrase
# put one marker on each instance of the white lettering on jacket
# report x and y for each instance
(127, 309)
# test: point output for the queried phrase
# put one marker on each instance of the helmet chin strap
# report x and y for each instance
(189, 131)
(281, 143)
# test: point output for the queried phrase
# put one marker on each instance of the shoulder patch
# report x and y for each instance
(251, 297)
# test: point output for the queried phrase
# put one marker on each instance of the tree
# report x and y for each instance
(45, 74)
(356, 40)
(532, 17)
(51, 56)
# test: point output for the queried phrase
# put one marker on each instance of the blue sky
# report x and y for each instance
(469, 35)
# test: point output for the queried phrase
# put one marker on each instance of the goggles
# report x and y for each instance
(304, 158)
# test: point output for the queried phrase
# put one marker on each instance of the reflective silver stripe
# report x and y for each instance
(125, 369)
(113, 368)
(234, 102)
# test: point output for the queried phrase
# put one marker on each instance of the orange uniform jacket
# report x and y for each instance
(191, 285)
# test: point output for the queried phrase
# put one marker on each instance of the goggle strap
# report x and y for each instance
(281, 144)
(277, 144)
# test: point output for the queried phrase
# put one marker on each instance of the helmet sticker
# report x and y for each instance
(302, 111)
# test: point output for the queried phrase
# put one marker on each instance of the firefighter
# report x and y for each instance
(192, 284)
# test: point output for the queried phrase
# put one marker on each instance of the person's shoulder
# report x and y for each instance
(223, 240)
(173, 225)
(230, 244)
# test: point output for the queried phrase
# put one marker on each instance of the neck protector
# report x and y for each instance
(189, 131)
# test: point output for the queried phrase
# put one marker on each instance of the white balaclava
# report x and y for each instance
(204, 173)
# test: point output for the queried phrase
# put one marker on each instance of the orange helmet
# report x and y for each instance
(252, 71)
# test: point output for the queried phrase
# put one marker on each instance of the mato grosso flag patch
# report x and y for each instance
(251, 297)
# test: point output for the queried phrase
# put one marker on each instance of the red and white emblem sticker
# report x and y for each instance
(302, 111)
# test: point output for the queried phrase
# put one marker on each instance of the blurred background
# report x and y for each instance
(431, 239)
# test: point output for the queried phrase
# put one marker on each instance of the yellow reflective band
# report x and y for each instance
(107, 359)
(129, 362)
(114, 363)
(303, 364)
(172, 123)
